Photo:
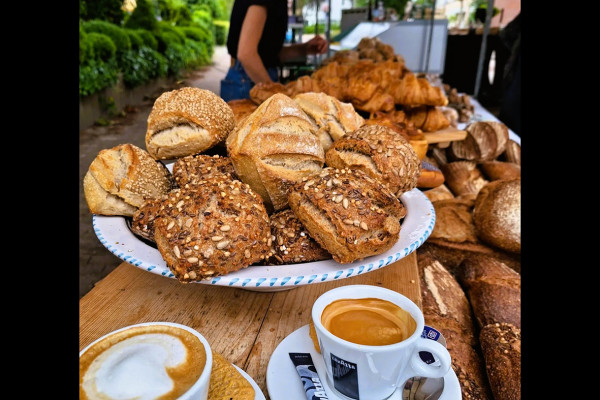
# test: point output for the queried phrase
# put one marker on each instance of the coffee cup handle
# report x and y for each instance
(421, 368)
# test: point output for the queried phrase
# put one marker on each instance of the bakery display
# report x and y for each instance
(275, 147)
(291, 242)
(347, 212)
(187, 121)
(212, 228)
(121, 178)
(379, 152)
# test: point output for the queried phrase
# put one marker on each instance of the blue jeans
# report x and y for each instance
(237, 83)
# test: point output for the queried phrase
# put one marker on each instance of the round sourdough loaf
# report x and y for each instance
(212, 228)
(348, 213)
(121, 178)
(497, 214)
(187, 121)
(381, 153)
(275, 147)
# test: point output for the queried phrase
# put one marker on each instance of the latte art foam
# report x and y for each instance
(142, 366)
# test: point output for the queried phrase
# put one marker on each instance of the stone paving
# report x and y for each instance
(95, 260)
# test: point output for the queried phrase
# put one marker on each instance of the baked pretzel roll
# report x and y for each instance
(121, 178)
(348, 213)
(275, 147)
(333, 117)
(212, 228)
(380, 152)
(187, 121)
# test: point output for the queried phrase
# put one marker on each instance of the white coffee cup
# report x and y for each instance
(145, 361)
(358, 371)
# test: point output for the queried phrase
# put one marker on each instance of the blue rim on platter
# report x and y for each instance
(114, 233)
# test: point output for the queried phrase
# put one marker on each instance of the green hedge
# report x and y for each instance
(136, 39)
(221, 31)
(118, 35)
(148, 38)
(140, 66)
(142, 17)
(104, 48)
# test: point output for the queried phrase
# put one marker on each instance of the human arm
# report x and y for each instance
(251, 32)
(316, 45)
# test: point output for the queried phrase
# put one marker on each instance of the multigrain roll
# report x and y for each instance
(497, 214)
(291, 241)
(333, 117)
(381, 153)
(212, 228)
(275, 147)
(192, 169)
(121, 178)
(142, 222)
(348, 213)
(187, 121)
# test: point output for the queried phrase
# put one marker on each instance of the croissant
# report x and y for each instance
(263, 90)
(427, 118)
(413, 91)
(304, 84)
(379, 101)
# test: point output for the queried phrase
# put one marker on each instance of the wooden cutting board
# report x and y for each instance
(449, 134)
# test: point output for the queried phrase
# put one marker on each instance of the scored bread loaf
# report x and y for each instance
(275, 147)
(463, 177)
(446, 308)
(187, 121)
(381, 153)
(501, 347)
(121, 178)
(493, 289)
(333, 117)
(497, 214)
(212, 228)
(485, 141)
(348, 213)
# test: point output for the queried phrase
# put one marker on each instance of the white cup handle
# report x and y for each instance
(421, 368)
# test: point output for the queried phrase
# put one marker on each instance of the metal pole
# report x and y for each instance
(328, 32)
(430, 38)
(486, 30)
(317, 17)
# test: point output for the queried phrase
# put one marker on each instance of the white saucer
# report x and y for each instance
(258, 394)
(283, 382)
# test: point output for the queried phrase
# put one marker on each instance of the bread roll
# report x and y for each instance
(263, 90)
(438, 193)
(275, 147)
(241, 108)
(187, 121)
(121, 178)
(349, 214)
(501, 347)
(142, 222)
(493, 289)
(446, 308)
(379, 152)
(192, 169)
(454, 221)
(496, 170)
(291, 242)
(215, 227)
(497, 214)
(485, 141)
(463, 177)
(431, 176)
(333, 117)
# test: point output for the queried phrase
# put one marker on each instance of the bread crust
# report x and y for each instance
(501, 347)
(187, 121)
(379, 152)
(193, 169)
(348, 213)
(119, 179)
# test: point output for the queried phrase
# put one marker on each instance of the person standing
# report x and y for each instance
(255, 43)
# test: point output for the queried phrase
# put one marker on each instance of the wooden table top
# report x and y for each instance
(244, 326)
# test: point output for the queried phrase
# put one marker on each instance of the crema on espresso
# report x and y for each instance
(143, 363)
(368, 321)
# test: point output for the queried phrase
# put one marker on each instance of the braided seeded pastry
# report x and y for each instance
(379, 152)
(187, 121)
(213, 228)
(348, 213)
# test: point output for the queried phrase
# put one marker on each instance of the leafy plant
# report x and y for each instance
(136, 39)
(106, 10)
(175, 58)
(148, 38)
(140, 66)
(103, 47)
(116, 33)
(142, 17)
(97, 75)
(221, 30)
(200, 35)
(164, 26)
(176, 11)
(86, 48)
(166, 40)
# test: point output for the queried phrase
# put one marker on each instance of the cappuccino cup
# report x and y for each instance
(370, 340)
(146, 361)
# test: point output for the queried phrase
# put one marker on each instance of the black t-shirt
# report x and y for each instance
(273, 34)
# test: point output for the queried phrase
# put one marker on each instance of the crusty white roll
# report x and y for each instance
(275, 147)
(333, 117)
(187, 121)
(121, 178)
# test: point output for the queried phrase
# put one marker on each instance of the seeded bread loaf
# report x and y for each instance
(333, 117)
(275, 147)
(446, 308)
(121, 178)
(215, 227)
(381, 153)
(187, 121)
(142, 222)
(192, 169)
(291, 242)
(501, 346)
(348, 213)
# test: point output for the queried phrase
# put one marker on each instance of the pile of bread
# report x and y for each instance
(294, 180)
(470, 265)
